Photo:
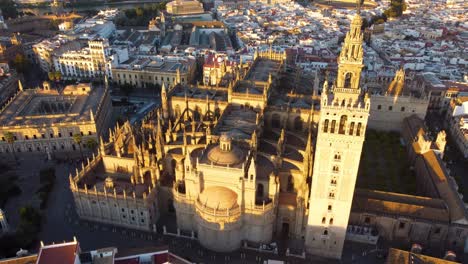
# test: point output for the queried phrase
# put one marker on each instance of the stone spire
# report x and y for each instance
(164, 102)
(178, 79)
(350, 63)
(20, 85)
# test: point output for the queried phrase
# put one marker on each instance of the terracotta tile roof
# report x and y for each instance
(438, 174)
(387, 203)
(397, 256)
(58, 254)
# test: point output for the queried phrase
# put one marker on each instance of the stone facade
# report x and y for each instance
(340, 137)
(88, 63)
(390, 109)
(115, 189)
(45, 120)
(145, 72)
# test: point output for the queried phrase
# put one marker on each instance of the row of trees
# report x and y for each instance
(140, 16)
(396, 9)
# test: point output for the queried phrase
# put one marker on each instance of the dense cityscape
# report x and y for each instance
(233, 131)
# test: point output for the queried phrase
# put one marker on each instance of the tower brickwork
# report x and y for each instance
(343, 120)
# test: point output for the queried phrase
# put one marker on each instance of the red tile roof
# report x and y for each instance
(58, 254)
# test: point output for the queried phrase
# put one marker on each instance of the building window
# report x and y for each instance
(379, 107)
(71, 134)
(142, 220)
(333, 181)
(15, 137)
(90, 133)
(329, 207)
(325, 232)
(123, 209)
(351, 128)
(358, 130)
(401, 225)
(82, 133)
(331, 195)
(390, 108)
(325, 126)
(43, 135)
(34, 136)
(367, 220)
(336, 169)
(342, 127)
(26, 137)
(437, 230)
(51, 135)
(337, 157)
(324, 220)
(59, 134)
(3, 138)
(331, 221)
(332, 129)
(402, 108)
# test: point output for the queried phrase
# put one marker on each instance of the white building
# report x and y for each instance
(87, 63)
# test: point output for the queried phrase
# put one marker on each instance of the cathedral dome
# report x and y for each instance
(226, 153)
(218, 197)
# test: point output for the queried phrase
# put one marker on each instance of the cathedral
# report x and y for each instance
(239, 163)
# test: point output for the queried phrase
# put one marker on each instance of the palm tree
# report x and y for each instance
(10, 139)
(78, 138)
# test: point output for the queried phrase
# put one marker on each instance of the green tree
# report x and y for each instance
(57, 75)
(20, 63)
(51, 76)
(91, 143)
(30, 220)
(139, 12)
(78, 138)
(10, 139)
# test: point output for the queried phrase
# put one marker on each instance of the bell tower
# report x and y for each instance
(340, 136)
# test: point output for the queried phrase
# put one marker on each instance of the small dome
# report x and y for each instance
(218, 197)
(226, 157)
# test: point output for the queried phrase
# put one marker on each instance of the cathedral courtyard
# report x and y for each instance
(384, 164)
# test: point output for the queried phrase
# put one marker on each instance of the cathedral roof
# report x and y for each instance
(226, 157)
(218, 197)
